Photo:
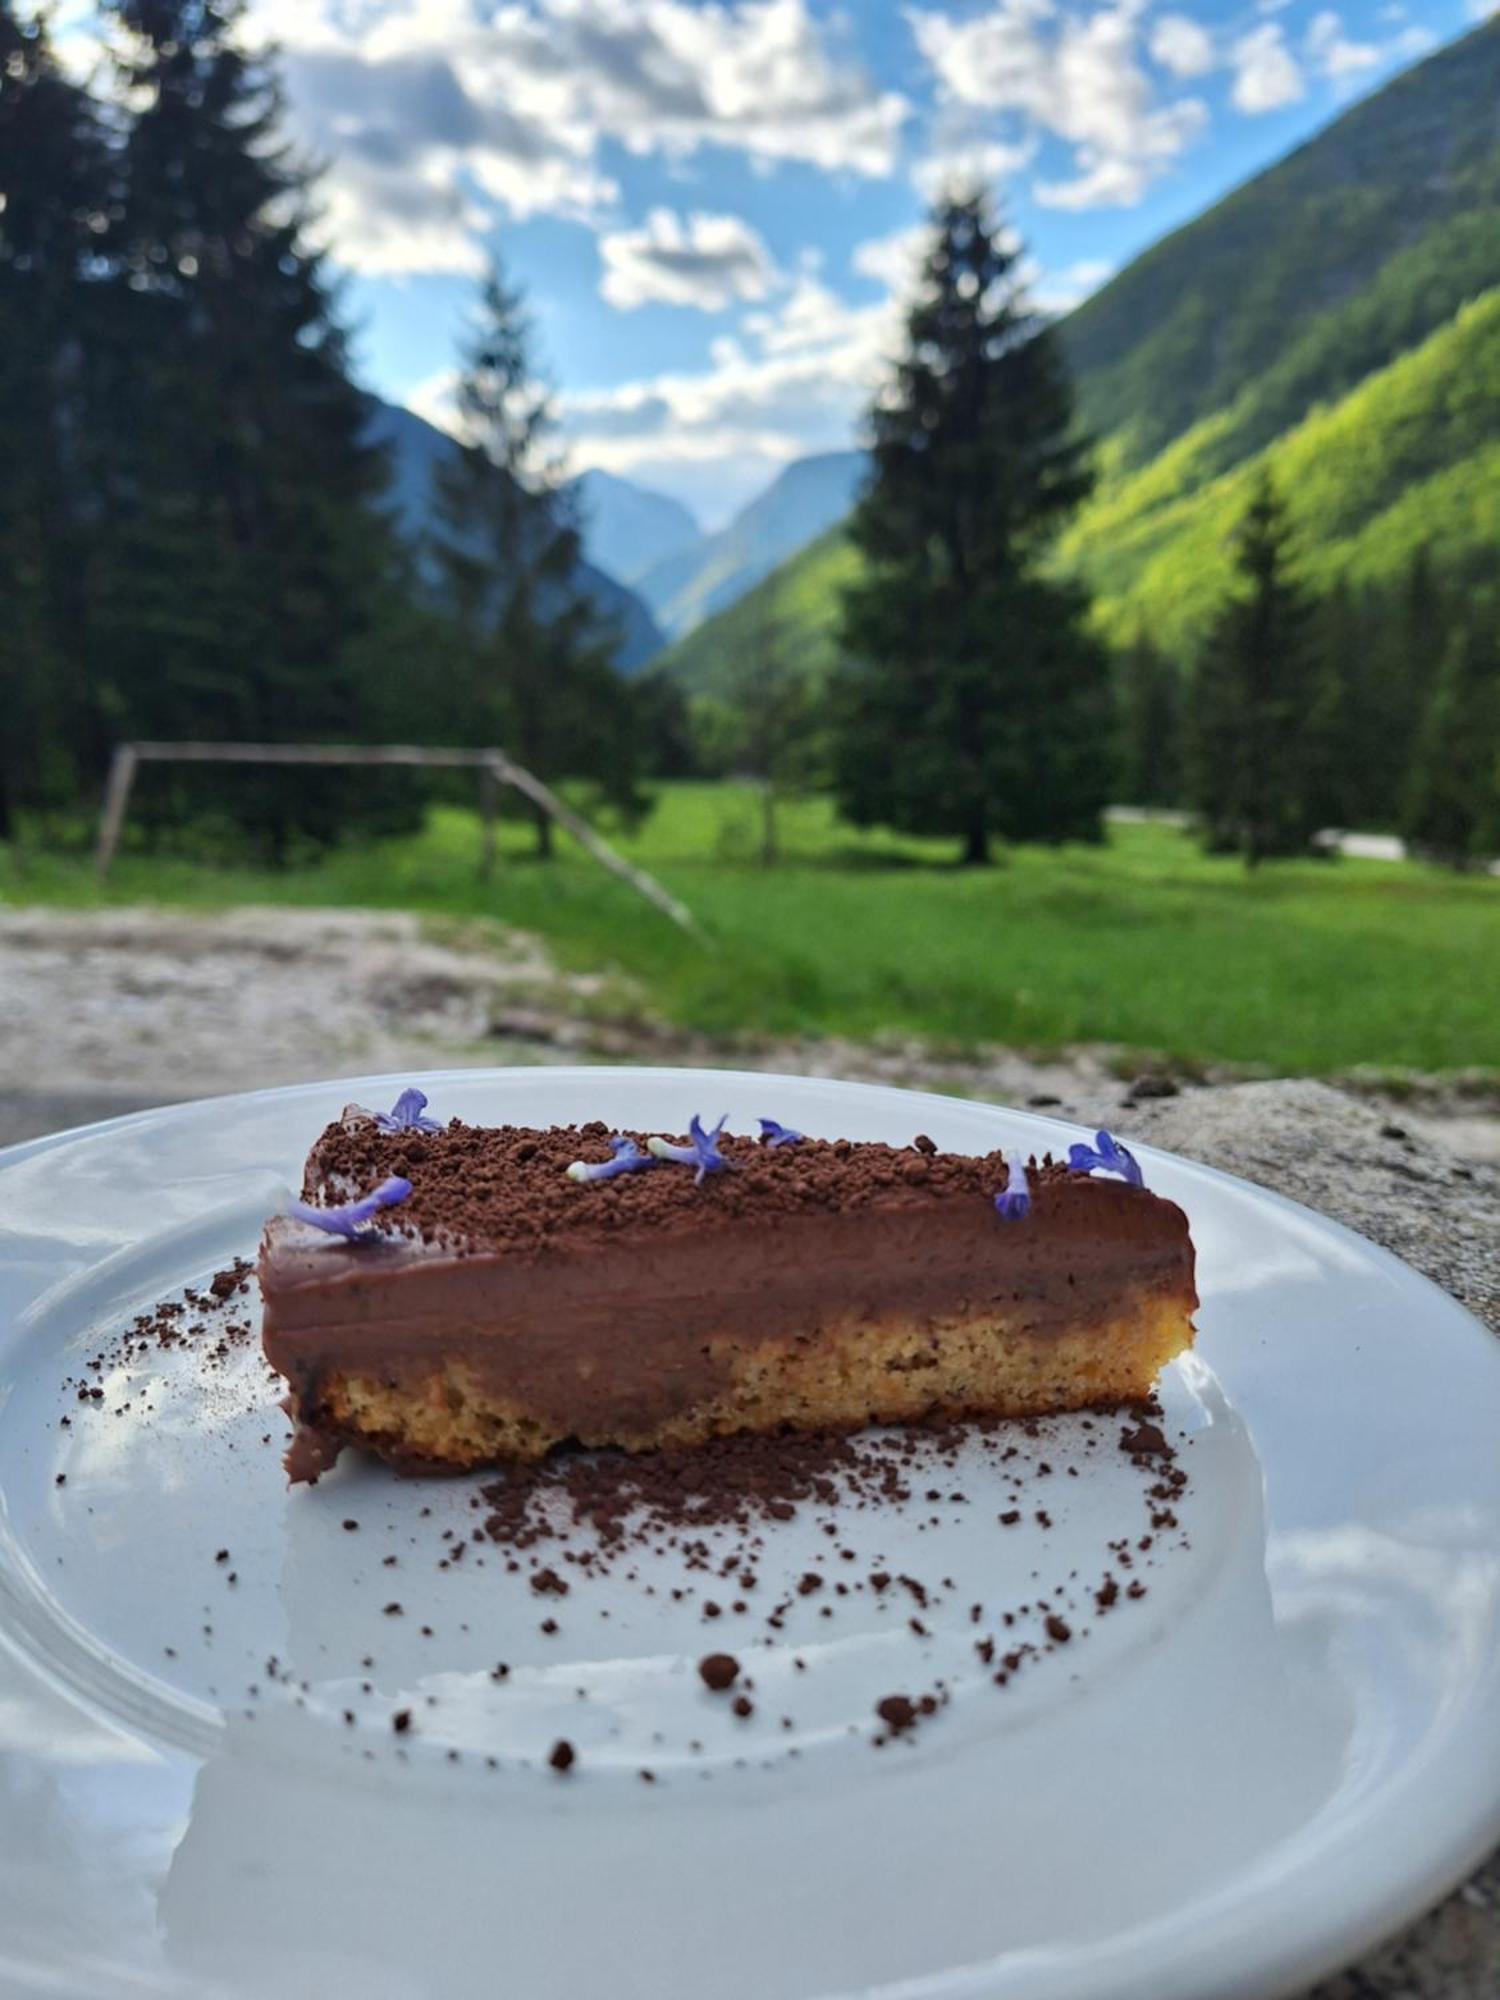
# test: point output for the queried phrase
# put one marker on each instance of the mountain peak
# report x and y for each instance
(806, 497)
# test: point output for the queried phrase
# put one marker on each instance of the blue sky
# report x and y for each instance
(711, 206)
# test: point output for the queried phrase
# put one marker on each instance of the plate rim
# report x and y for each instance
(1370, 1908)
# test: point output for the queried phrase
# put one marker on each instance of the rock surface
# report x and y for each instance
(1442, 1214)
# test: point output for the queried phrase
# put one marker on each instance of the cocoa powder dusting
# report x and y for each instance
(506, 1187)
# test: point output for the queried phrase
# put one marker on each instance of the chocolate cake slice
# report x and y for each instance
(489, 1293)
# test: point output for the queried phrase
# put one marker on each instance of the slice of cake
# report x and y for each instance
(464, 1295)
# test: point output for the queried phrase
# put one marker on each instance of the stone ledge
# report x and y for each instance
(1339, 1155)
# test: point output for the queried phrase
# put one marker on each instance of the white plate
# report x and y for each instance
(1286, 1749)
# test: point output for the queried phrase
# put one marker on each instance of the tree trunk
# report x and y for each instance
(543, 821)
(977, 845)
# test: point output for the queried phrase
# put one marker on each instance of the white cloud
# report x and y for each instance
(703, 261)
(795, 380)
(434, 400)
(436, 115)
(1182, 45)
(1266, 73)
(1057, 292)
(968, 163)
(1077, 76)
(1413, 41)
(894, 261)
(1331, 52)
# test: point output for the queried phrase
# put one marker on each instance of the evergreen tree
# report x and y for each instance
(53, 195)
(1335, 736)
(1450, 798)
(773, 716)
(247, 553)
(536, 674)
(1250, 766)
(1404, 639)
(664, 727)
(1149, 704)
(975, 704)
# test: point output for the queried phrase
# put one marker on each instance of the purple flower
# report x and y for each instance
(1015, 1202)
(355, 1218)
(772, 1134)
(1106, 1156)
(405, 1115)
(702, 1152)
(628, 1158)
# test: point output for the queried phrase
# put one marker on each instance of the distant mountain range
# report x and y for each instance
(648, 564)
(629, 529)
(1335, 320)
(418, 448)
(689, 584)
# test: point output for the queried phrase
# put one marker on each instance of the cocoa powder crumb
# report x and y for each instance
(897, 1711)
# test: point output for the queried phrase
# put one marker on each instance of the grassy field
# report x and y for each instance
(1308, 966)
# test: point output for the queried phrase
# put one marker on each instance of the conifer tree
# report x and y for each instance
(53, 196)
(974, 703)
(1404, 639)
(247, 550)
(535, 673)
(1335, 735)
(1149, 701)
(1250, 699)
(1450, 798)
(773, 715)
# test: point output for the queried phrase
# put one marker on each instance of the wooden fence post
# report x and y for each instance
(122, 770)
(489, 800)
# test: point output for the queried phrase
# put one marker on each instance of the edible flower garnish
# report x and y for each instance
(355, 1218)
(1106, 1156)
(405, 1115)
(702, 1153)
(628, 1158)
(772, 1134)
(1015, 1202)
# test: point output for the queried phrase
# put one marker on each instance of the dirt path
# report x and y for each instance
(107, 1011)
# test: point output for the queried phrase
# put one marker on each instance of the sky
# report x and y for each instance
(712, 204)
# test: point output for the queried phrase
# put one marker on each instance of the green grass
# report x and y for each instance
(1306, 967)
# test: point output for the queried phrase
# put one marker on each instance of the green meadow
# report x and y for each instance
(1308, 966)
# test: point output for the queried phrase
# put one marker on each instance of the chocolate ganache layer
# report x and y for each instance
(608, 1308)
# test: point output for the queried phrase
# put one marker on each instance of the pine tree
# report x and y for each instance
(1249, 704)
(1334, 730)
(247, 550)
(1149, 705)
(1450, 797)
(53, 195)
(669, 746)
(1405, 630)
(536, 676)
(975, 704)
(773, 715)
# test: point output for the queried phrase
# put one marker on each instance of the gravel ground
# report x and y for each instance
(111, 1011)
